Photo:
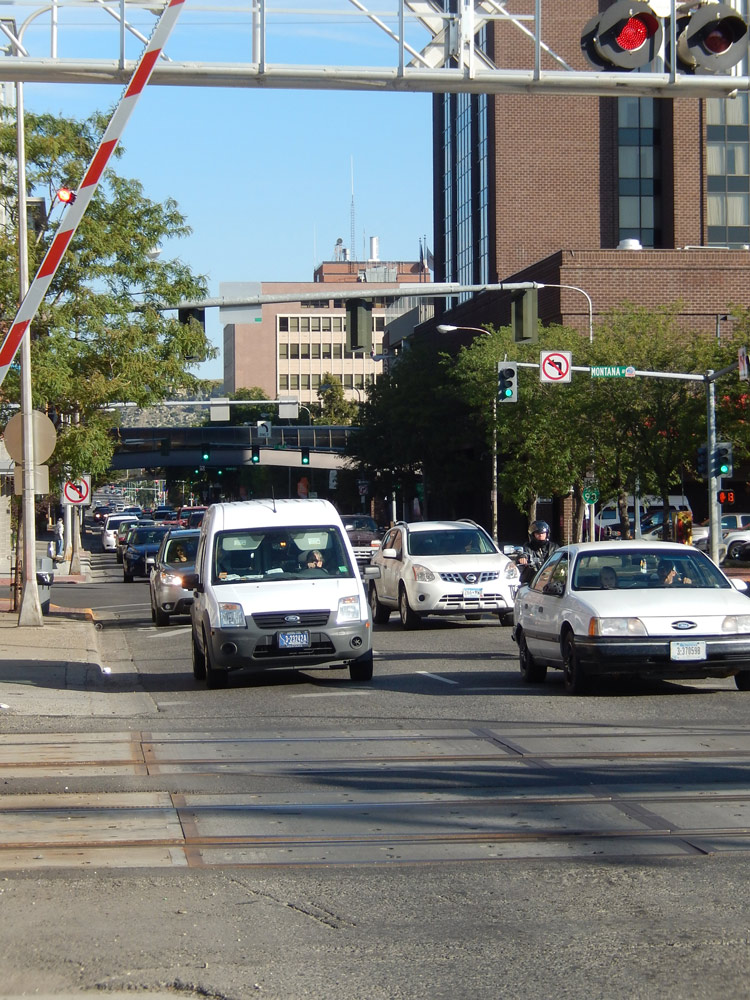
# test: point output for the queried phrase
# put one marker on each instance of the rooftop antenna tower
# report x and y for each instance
(352, 235)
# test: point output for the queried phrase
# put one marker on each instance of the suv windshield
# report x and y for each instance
(359, 522)
(147, 536)
(449, 542)
(280, 554)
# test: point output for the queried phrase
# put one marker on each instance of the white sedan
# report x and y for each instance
(633, 608)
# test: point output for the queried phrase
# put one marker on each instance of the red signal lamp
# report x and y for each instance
(66, 195)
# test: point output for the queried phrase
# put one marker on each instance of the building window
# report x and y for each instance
(284, 351)
(294, 323)
(315, 351)
(348, 382)
(294, 381)
(639, 175)
(325, 324)
(728, 172)
(315, 381)
(304, 381)
(283, 324)
(326, 351)
(294, 350)
(304, 351)
(338, 351)
(283, 381)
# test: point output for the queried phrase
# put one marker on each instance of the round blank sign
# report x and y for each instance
(45, 436)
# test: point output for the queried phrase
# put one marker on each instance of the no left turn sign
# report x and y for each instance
(555, 366)
(77, 491)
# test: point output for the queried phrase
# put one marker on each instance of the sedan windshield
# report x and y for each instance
(634, 569)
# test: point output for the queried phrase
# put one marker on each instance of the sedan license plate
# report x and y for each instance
(695, 650)
(472, 593)
(294, 640)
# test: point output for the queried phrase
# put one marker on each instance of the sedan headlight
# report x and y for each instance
(617, 626)
(422, 574)
(231, 616)
(736, 623)
(349, 610)
(170, 579)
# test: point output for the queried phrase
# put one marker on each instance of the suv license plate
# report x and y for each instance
(294, 640)
(695, 650)
(472, 593)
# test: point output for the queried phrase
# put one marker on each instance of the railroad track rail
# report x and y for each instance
(369, 798)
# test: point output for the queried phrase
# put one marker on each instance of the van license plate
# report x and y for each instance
(695, 650)
(294, 640)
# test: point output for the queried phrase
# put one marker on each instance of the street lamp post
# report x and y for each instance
(446, 328)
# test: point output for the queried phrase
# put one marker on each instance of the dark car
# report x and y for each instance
(364, 535)
(140, 551)
(175, 558)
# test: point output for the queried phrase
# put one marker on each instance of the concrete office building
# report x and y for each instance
(284, 348)
(548, 187)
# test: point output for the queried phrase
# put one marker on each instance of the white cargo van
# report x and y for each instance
(276, 586)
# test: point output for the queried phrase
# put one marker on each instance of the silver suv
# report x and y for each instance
(441, 568)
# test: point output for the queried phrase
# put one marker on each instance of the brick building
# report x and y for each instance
(285, 347)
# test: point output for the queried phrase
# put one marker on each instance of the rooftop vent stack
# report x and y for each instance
(374, 248)
(629, 245)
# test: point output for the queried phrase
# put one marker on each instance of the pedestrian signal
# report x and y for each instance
(725, 497)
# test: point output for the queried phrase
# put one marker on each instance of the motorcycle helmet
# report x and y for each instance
(538, 526)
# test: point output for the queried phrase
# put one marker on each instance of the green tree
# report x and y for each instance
(97, 338)
(251, 414)
(334, 407)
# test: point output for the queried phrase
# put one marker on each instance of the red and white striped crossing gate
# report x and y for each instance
(75, 211)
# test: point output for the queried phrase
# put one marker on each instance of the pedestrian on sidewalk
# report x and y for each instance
(59, 538)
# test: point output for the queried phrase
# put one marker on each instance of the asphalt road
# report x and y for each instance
(445, 831)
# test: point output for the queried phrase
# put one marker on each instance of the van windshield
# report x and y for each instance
(269, 554)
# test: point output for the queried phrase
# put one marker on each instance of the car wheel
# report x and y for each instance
(735, 550)
(199, 662)
(576, 681)
(742, 680)
(215, 676)
(408, 618)
(160, 618)
(380, 613)
(531, 671)
(361, 668)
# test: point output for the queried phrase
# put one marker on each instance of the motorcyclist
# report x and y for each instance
(536, 551)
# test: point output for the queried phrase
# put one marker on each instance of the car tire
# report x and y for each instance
(735, 550)
(216, 677)
(380, 613)
(574, 676)
(360, 670)
(199, 661)
(742, 680)
(408, 617)
(531, 671)
(160, 618)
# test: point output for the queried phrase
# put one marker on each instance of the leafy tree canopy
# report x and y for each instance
(97, 338)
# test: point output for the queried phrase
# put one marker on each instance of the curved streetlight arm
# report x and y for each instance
(574, 288)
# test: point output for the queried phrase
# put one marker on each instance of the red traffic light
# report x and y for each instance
(66, 196)
(725, 496)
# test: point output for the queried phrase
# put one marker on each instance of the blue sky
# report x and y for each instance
(264, 177)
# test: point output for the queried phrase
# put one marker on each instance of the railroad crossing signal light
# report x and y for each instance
(305, 456)
(625, 36)
(711, 37)
(256, 454)
(66, 195)
(524, 313)
(507, 382)
(358, 325)
(725, 497)
(723, 460)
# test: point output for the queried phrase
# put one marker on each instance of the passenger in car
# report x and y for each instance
(608, 578)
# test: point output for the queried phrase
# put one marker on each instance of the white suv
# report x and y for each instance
(441, 568)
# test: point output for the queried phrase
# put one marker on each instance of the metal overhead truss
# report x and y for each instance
(427, 49)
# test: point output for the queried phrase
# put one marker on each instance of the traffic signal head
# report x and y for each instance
(305, 456)
(524, 312)
(725, 497)
(507, 382)
(625, 36)
(723, 460)
(702, 465)
(711, 37)
(185, 315)
(359, 325)
(256, 454)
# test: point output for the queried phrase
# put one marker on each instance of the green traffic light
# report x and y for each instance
(507, 392)
(724, 469)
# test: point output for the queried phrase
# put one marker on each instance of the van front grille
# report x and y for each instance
(275, 620)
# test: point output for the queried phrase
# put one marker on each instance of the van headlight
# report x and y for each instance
(349, 610)
(231, 616)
